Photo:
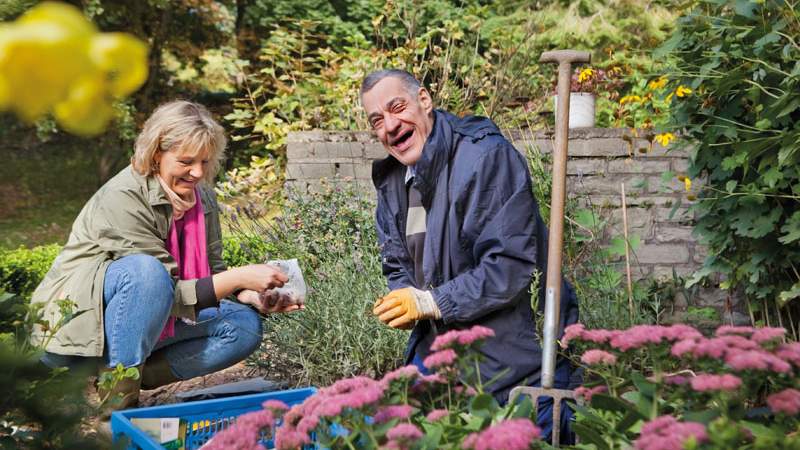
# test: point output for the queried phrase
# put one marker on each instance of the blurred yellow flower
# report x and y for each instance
(629, 98)
(585, 74)
(687, 182)
(657, 84)
(682, 91)
(54, 60)
(665, 138)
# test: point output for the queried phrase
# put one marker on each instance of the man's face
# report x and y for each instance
(401, 122)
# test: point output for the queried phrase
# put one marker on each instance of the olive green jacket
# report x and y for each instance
(130, 214)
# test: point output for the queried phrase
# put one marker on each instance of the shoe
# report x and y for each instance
(123, 395)
(156, 372)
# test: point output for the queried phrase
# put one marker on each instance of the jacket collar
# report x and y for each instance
(155, 193)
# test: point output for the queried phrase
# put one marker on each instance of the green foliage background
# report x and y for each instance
(743, 122)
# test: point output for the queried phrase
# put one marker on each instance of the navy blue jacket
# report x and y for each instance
(483, 241)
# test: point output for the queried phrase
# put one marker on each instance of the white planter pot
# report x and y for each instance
(581, 109)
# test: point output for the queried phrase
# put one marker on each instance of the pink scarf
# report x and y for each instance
(189, 251)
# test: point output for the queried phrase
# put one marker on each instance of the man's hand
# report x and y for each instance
(401, 308)
(264, 305)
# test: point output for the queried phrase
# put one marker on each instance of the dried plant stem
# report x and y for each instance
(627, 250)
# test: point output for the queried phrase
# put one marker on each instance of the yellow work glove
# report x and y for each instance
(402, 307)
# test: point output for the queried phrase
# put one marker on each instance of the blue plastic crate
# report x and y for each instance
(204, 418)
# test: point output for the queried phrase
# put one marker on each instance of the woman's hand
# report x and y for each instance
(268, 302)
(260, 277)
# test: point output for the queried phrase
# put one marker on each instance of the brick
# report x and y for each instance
(367, 137)
(680, 165)
(317, 171)
(672, 233)
(374, 151)
(638, 166)
(586, 166)
(344, 170)
(664, 272)
(596, 184)
(682, 215)
(294, 171)
(662, 254)
(363, 171)
(297, 150)
(700, 253)
(598, 147)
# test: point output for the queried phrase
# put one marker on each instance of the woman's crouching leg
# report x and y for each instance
(138, 296)
(221, 337)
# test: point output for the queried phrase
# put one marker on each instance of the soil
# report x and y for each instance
(166, 394)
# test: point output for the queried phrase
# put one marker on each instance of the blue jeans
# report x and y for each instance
(138, 296)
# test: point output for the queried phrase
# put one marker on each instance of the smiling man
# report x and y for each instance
(460, 232)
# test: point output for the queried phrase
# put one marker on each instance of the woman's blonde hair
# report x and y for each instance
(180, 125)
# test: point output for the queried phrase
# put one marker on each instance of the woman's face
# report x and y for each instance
(181, 169)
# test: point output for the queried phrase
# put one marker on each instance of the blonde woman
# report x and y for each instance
(144, 261)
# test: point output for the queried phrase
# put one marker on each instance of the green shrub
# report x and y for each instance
(332, 234)
(22, 269)
(740, 114)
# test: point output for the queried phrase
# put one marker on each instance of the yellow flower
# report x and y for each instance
(585, 74)
(657, 84)
(682, 91)
(54, 60)
(629, 98)
(669, 97)
(121, 56)
(687, 182)
(665, 138)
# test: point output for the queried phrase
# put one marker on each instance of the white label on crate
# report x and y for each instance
(169, 429)
(163, 430)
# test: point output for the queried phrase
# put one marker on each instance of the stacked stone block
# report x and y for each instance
(599, 161)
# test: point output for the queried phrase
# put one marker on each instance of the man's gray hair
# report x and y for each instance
(411, 84)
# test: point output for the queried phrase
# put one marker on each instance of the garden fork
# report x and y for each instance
(565, 59)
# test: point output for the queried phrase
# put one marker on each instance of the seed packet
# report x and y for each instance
(294, 290)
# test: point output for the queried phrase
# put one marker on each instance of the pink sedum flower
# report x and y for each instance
(461, 337)
(666, 433)
(442, 358)
(406, 373)
(757, 360)
(594, 357)
(388, 413)
(725, 330)
(275, 405)
(404, 432)
(768, 334)
(572, 332)
(786, 401)
(512, 434)
(683, 347)
(588, 393)
(437, 414)
(789, 352)
(708, 382)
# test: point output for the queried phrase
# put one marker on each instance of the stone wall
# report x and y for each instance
(599, 161)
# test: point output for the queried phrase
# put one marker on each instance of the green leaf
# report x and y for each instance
(786, 296)
(704, 417)
(587, 434)
(433, 435)
(764, 124)
(482, 405)
(608, 403)
(763, 431)
(644, 386)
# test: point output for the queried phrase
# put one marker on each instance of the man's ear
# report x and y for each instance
(424, 98)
